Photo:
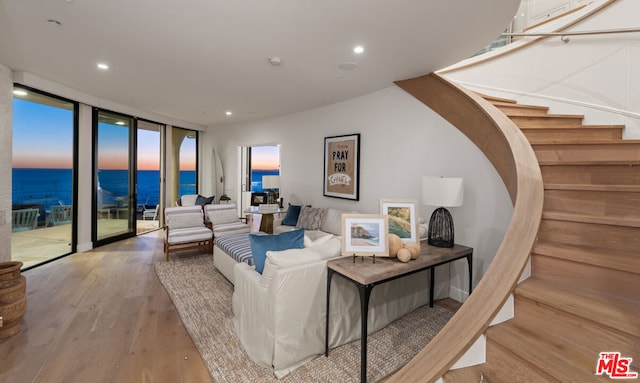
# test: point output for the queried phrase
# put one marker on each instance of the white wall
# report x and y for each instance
(6, 110)
(401, 140)
(597, 76)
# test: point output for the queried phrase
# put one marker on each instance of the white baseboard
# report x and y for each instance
(458, 294)
(82, 247)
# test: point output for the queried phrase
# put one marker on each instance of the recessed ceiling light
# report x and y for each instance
(121, 123)
(228, 113)
(358, 49)
(103, 66)
(20, 92)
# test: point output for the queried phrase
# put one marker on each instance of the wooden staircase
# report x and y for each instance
(584, 294)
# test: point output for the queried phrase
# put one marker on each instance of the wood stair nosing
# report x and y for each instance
(614, 313)
(622, 260)
(588, 336)
(547, 354)
(592, 187)
(588, 218)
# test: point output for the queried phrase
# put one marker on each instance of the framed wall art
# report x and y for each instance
(403, 218)
(365, 234)
(342, 166)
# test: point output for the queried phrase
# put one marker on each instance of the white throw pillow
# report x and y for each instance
(309, 241)
(292, 257)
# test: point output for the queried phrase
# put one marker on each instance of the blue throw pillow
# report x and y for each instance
(261, 243)
(291, 218)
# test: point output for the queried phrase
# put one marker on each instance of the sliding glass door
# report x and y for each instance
(43, 209)
(114, 177)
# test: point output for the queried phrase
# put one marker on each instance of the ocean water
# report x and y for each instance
(256, 178)
(48, 187)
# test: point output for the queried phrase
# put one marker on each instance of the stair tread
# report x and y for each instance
(550, 355)
(595, 143)
(464, 375)
(496, 98)
(587, 218)
(623, 315)
(591, 187)
(622, 260)
(553, 128)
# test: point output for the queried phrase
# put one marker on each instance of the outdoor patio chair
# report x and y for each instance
(152, 214)
(24, 219)
(61, 214)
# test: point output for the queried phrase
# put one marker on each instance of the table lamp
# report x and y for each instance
(442, 192)
(271, 184)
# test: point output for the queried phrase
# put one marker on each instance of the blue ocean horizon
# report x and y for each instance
(46, 187)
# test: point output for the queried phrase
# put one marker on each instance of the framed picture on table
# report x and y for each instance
(365, 235)
(342, 166)
(403, 218)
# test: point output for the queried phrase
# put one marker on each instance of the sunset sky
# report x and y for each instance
(265, 157)
(43, 138)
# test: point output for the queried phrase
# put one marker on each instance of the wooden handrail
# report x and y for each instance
(512, 156)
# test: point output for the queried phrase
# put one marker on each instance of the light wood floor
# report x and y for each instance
(101, 316)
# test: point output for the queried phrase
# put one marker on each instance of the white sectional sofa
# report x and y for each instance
(279, 315)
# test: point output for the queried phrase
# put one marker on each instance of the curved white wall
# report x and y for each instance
(401, 141)
(597, 76)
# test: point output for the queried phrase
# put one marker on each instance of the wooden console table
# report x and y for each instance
(366, 275)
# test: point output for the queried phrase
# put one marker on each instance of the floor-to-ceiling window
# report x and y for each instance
(43, 186)
(115, 204)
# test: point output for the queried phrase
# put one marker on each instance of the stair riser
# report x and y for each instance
(591, 175)
(572, 328)
(627, 261)
(524, 122)
(587, 277)
(582, 154)
(589, 234)
(504, 366)
(622, 204)
(543, 136)
(522, 111)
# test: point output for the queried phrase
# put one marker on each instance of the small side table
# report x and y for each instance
(366, 275)
(266, 221)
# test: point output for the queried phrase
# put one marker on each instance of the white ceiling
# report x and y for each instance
(192, 60)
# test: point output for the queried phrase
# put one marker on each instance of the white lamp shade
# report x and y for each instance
(271, 182)
(442, 192)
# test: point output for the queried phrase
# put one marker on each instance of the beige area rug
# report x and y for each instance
(203, 299)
